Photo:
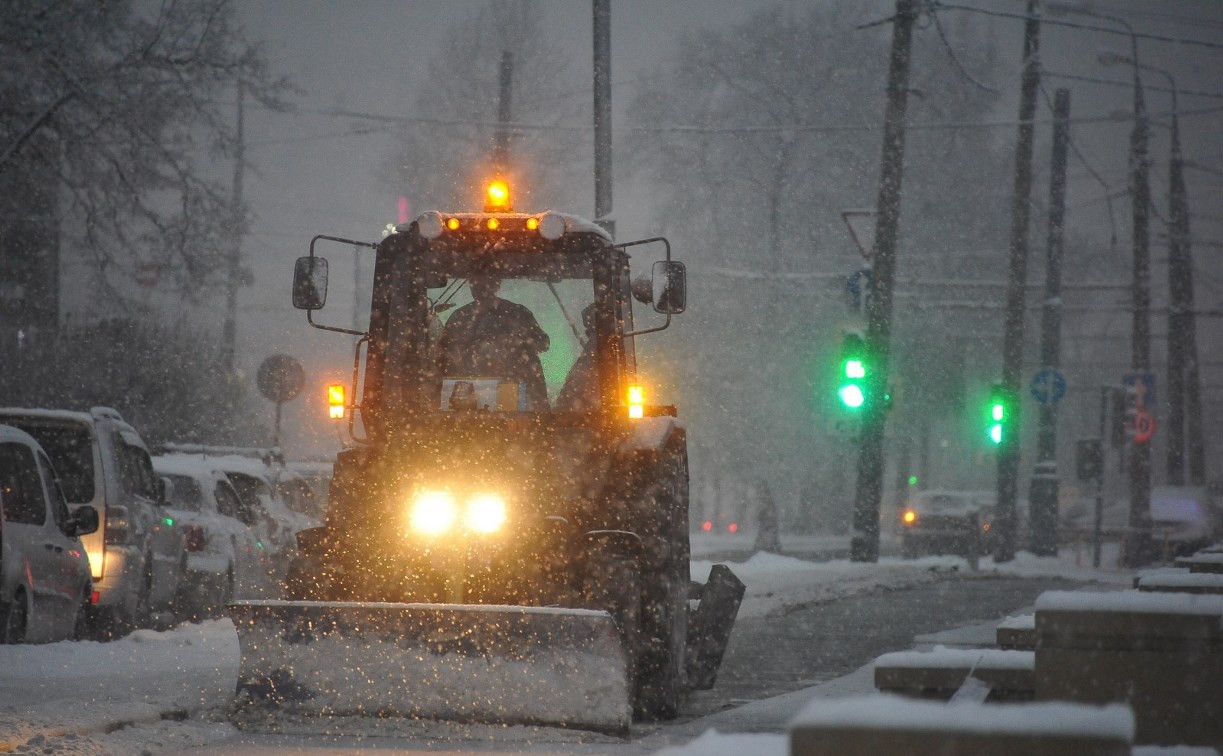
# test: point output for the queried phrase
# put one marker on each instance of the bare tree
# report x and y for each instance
(117, 109)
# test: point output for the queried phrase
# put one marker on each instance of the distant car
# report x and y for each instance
(137, 556)
(944, 522)
(317, 477)
(223, 550)
(45, 584)
(1184, 517)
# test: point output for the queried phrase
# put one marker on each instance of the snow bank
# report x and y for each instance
(776, 582)
(886, 712)
(713, 743)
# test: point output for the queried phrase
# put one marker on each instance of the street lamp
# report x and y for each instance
(1184, 390)
(1138, 545)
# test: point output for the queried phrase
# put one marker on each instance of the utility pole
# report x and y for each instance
(501, 142)
(1017, 271)
(864, 546)
(1045, 484)
(229, 329)
(1138, 545)
(603, 115)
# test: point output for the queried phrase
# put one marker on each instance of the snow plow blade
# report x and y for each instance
(483, 663)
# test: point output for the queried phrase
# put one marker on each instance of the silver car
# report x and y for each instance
(137, 556)
(45, 584)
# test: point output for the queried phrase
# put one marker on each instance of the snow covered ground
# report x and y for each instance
(76, 697)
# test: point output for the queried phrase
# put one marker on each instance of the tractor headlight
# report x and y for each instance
(433, 512)
(485, 513)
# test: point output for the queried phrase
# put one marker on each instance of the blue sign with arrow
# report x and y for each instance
(1048, 386)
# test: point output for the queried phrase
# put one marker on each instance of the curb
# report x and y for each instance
(14, 735)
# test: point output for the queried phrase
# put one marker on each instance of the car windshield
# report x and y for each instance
(511, 332)
(250, 489)
(185, 493)
(71, 451)
(944, 504)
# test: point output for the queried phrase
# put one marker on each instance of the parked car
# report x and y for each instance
(1185, 518)
(137, 557)
(224, 557)
(45, 584)
(310, 487)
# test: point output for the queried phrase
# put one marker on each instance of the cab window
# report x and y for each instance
(59, 507)
(21, 493)
(136, 470)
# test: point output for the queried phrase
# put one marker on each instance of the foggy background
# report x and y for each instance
(741, 130)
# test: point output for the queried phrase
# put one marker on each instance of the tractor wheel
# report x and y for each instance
(613, 583)
(661, 685)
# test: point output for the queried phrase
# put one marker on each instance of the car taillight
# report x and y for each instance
(194, 538)
(118, 530)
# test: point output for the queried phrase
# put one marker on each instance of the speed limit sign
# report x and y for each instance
(1144, 426)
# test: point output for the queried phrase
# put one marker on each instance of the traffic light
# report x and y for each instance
(1000, 414)
(852, 378)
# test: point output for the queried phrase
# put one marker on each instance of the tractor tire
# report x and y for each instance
(613, 583)
(662, 681)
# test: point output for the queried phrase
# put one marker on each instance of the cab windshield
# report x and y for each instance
(511, 331)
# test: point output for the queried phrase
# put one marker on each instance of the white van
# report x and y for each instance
(137, 557)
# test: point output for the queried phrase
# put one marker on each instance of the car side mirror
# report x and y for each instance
(84, 521)
(670, 287)
(310, 283)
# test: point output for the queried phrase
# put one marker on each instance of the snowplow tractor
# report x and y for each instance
(506, 537)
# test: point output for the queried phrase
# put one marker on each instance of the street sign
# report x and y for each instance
(1048, 386)
(280, 378)
(861, 224)
(1144, 426)
(858, 290)
(1142, 387)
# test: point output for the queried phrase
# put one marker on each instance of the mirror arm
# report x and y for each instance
(662, 327)
(651, 240)
(310, 313)
(667, 245)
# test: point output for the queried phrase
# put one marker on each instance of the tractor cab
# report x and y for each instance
(499, 313)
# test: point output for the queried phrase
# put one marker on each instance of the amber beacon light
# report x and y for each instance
(335, 401)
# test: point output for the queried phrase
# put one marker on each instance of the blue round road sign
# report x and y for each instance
(1048, 386)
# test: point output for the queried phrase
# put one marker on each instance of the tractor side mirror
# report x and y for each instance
(310, 283)
(670, 287)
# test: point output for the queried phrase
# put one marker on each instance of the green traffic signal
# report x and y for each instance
(851, 383)
(999, 419)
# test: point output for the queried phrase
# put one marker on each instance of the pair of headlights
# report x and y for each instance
(436, 513)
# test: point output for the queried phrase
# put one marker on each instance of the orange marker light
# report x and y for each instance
(910, 516)
(493, 224)
(335, 401)
(452, 224)
(636, 401)
(497, 197)
(532, 224)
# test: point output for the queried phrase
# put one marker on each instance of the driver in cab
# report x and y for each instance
(493, 337)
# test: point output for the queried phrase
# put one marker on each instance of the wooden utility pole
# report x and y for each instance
(1017, 272)
(603, 115)
(864, 546)
(229, 329)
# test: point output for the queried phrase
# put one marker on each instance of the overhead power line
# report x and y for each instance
(937, 5)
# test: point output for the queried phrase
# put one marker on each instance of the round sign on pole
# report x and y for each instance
(1144, 426)
(280, 378)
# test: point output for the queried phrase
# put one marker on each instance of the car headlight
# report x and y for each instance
(433, 512)
(485, 513)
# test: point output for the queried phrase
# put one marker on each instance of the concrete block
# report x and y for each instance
(939, 673)
(1162, 653)
(892, 725)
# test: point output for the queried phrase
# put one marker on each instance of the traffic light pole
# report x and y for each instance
(1045, 485)
(865, 544)
(1012, 346)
